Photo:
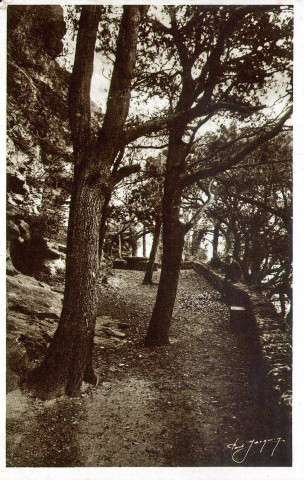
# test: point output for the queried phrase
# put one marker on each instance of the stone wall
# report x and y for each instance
(274, 337)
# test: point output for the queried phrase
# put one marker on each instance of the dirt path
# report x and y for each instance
(200, 401)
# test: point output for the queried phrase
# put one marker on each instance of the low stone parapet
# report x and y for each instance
(274, 336)
(133, 263)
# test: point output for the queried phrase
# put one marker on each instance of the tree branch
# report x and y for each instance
(158, 26)
(199, 110)
(224, 147)
(198, 214)
(120, 88)
(278, 213)
(226, 164)
(124, 172)
(211, 70)
(80, 83)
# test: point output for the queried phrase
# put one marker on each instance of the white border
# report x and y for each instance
(209, 473)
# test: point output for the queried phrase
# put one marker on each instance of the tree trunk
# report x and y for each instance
(173, 243)
(119, 247)
(282, 303)
(197, 237)
(215, 241)
(134, 248)
(68, 358)
(149, 271)
(103, 223)
(144, 244)
(236, 246)
(246, 259)
(227, 245)
(158, 332)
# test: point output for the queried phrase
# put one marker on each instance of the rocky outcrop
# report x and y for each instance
(33, 311)
(133, 263)
(39, 149)
(30, 252)
(44, 22)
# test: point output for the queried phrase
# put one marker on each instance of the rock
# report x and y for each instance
(33, 313)
(38, 131)
(10, 269)
(102, 320)
(15, 183)
(52, 28)
(12, 230)
(123, 326)
(30, 252)
(119, 264)
(44, 22)
(26, 295)
(112, 332)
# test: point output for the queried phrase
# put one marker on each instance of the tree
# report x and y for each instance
(145, 203)
(220, 68)
(68, 359)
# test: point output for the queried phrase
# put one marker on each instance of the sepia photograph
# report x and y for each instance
(149, 238)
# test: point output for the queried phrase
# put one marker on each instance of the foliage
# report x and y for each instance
(254, 205)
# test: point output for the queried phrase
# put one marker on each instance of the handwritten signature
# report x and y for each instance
(240, 450)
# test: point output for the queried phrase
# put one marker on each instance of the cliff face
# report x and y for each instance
(39, 150)
(38, 139)
(39, 155)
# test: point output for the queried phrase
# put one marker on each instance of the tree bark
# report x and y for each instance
(236, 246)
(134, 247)
(149, 271)
(227, 241)
(282, 303)
(103, 223)
(173, 243)
(69, 358)
(159, 327)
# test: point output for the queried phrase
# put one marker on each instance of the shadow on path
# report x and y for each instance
(201, 401)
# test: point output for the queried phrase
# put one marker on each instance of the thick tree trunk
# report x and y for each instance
(103, 223)
(282, 303)
(158, 332)
(68, 359)
(149, 271)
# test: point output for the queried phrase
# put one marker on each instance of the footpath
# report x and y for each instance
(204, 400)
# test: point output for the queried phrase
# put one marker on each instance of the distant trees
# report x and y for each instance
(145, 202)
(254, 209)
